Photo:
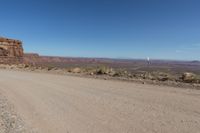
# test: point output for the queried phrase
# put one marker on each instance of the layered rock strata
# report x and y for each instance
(11, 51)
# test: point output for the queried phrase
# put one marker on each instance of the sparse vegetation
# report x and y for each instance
(118, 73)
(103, 70)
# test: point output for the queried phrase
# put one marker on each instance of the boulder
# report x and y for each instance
(189, 77)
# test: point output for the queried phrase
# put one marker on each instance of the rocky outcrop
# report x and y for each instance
(189, 77)
(11, 51)
(10, 47)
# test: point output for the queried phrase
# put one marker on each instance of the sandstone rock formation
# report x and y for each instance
(189, 77)
(11, 51)
(10, 47)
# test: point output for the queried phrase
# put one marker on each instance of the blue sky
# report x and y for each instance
(160, 29)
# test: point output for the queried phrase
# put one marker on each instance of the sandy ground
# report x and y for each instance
(66, 104)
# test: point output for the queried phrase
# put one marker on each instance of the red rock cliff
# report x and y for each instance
(10, 48)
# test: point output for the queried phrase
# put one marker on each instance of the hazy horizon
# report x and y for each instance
(117, 58)
(130, 29)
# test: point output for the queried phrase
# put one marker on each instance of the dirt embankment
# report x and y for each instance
(184, 80)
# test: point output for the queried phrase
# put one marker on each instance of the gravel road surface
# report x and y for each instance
(65, 104)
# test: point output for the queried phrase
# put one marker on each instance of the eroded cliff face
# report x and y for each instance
(10, 47)
(11, 51)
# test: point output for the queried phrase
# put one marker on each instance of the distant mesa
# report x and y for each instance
(195, 61)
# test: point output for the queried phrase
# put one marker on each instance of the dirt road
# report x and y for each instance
(65, 104)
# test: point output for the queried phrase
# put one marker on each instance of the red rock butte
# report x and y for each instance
(11, 51)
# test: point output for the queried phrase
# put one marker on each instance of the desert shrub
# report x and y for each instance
(161, 76)
(89, 70)
(76, 70)
(116, 74)
(26, 65)
(197, 79)
(102, 70)
(121, 73)
(49, 68)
